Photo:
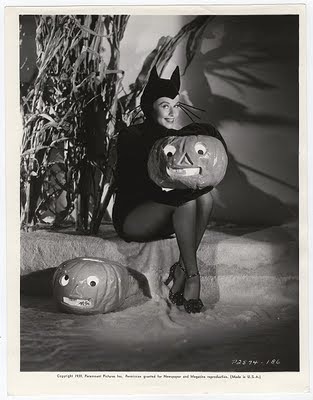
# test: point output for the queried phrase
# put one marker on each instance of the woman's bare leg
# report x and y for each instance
(149, 221)
(184, 221)
(204, 206)
(152, 220)
(204, 210)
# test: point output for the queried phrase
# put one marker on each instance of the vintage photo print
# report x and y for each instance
(157, 222)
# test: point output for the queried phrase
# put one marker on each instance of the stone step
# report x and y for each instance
(237, 265)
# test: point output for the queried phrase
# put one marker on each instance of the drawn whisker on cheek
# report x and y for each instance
(192, 113)
(187, 113)
(189, 106)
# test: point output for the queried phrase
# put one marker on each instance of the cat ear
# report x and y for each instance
(175, 78)
(153, 74)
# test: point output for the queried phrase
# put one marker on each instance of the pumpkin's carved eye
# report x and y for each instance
(200, 148)
(64, 280)
(169, 150)
(92, 280)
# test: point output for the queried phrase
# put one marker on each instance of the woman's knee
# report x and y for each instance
(147, 222)
(146, 234)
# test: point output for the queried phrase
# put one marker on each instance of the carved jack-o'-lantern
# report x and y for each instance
(181, 162)
(88, 285)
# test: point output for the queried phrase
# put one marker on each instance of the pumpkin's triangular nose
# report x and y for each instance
(75, 290)
(185, 160)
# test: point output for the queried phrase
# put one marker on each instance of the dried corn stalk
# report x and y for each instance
(74, 96)
(74, 82)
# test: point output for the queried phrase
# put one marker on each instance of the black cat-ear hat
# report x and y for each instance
(158, 87)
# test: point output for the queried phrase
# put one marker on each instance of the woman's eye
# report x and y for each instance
(169, 150)
(200, 148)
(64, 280)
(92, 280)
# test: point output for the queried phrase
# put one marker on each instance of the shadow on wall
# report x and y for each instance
(245, 60)
(223, 109)
(236, 200)
(246, 72)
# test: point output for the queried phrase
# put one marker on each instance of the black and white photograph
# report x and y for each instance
(159, 193)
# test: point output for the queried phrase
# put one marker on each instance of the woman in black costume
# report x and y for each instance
(142, 210)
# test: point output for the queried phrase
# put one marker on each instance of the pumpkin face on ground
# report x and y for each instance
(187, 162)
(88, 285)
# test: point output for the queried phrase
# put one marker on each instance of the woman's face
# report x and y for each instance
(165, 111)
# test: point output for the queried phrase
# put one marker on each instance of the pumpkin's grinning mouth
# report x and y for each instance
(77, 302)
(183, 171)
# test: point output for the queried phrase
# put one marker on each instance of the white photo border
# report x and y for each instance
(25, 381)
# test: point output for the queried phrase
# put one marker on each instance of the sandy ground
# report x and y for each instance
(249, 323)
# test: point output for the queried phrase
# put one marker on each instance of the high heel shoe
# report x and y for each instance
(192, 305)
(178, 297)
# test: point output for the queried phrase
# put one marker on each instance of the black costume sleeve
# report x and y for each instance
(133, 182)
(130, 158)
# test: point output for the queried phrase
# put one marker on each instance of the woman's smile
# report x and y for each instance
(170, 120)
(165, 111)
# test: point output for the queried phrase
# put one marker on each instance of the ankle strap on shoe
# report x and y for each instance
(191, 275)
